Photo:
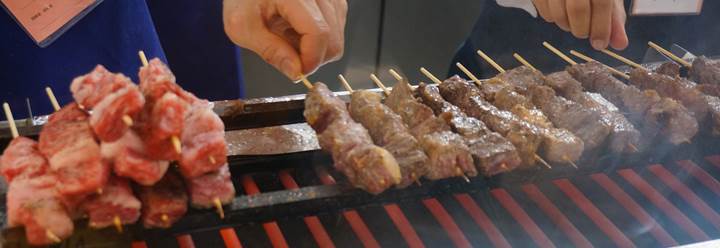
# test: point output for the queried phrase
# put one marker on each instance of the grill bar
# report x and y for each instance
(577, 238)
(312, 222)
(442, 216)
(706, 179)
(687, 194)
(522, 217)
(634, 209)
(665, 206)
(230, 238)
(356, 222)
(271, 228)
(482, 220)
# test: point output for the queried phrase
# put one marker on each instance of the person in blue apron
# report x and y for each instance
(501, 31)
(196, 38)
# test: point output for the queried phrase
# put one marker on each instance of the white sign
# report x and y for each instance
(666, 7)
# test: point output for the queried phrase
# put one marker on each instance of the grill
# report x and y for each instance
(663, 198)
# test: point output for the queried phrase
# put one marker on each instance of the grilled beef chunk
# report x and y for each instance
(705, 70)
(388, 130)
(669, 68)
(525, 137)
(447, 152)
(656, 114)
(508, 92)
(623, 134)
(583, 122)
(705, 109)
(491, 153)
(366, 165)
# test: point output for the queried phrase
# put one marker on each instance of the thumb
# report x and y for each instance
(618, 35)
(278, 52)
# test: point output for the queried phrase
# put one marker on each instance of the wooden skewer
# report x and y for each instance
(559, 53)
(52, 98)
(52, 237)
(524, 62)
(219, 207)
(118, 224)
(430, 75)
(395, 75)
(345, 83)
(542, 161)
(10, 120)
(379, 83)
(468, 73)
(633, 148)
(491, 61)
(588, 59)
(212, 160)
(164, 218)
(570, 162)
(306, 82)
(669, 54)
(623, 59)
(143, 59)
(177, 145)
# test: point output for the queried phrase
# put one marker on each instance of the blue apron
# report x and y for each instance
(501, 31)
(111, 35)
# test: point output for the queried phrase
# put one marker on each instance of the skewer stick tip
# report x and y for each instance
(345, 83)
(491, 61)
(623, 59)
(143, 59)
(127, 120)
(669, 54)
(588, 59)
(467, 180)
(468, 73)
(633, 148)
(570, 162)
(559, 53)
(430, 75)
(52, 237)
(542, 161)
(524, 62)
(305, 81)
(219, 207)
(395, 75)
(53, 99)
(99, 191)
(212, 160)
(118, 224)
(10, 120)
(165, 218)
(377, 82)
(176, 144)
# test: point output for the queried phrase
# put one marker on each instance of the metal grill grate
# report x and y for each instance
(650, 206)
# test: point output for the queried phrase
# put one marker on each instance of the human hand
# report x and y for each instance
(602, 21)
(295, 36)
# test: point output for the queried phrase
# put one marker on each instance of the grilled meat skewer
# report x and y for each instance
(366, 165)
(705, 109)
(623, 134)
(658, 115)
(447, 153)
(524, 136)
(492, 153)
(562, 113)
(388, 131)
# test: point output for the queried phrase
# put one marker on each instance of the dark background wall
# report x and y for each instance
(380, 34)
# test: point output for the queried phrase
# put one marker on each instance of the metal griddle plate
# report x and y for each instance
(285, 144)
